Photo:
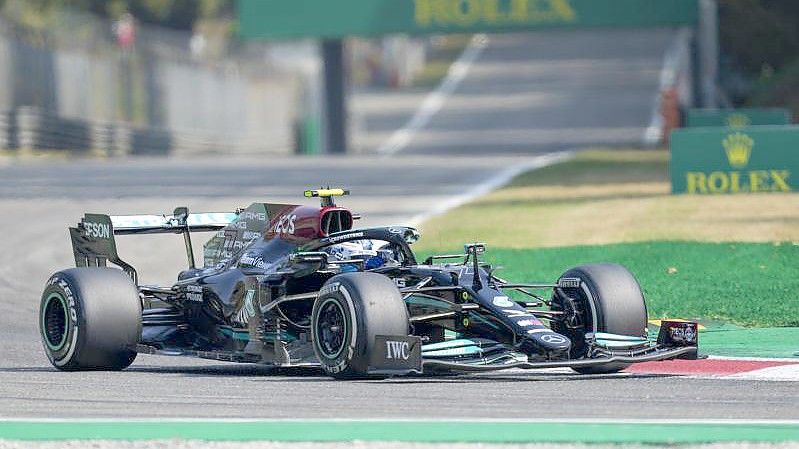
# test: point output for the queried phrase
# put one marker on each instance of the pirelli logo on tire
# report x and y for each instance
(711, 161)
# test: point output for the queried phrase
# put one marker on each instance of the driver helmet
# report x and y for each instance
(357, 249)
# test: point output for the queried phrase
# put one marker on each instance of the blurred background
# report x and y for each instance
(174, 77)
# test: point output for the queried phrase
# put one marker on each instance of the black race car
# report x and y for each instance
(294, 285)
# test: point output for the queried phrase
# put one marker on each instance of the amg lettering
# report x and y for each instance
(258, 216)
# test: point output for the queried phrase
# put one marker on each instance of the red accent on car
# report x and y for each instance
(303, 223)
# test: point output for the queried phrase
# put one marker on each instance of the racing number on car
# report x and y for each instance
(286, 224)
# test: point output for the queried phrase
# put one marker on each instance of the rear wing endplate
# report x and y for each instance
(93, 241)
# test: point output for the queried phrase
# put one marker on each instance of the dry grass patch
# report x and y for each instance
(610, 196)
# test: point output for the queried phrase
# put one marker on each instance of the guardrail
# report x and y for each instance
(32, 129)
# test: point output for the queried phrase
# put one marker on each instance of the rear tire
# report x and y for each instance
(351, 310)
(90, 319)
(614, 300)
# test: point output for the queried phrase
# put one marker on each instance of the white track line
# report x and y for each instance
(755, 359)
(435, 99)
(492, 183)
(781, 373)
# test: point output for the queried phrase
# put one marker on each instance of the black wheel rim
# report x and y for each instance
(331, 329)
(54, 322)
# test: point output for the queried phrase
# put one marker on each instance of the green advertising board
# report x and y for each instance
(737, 118)
(723, 160)
(287, 19)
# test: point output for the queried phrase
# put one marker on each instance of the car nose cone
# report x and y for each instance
(551, 341)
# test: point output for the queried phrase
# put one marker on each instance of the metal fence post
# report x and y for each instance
(708, 52)
(335, 118)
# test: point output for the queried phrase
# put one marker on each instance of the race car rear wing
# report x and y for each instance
(93, 241)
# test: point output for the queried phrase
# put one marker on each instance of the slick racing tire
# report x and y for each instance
(614, 300)
(90, 319)
(351, 309)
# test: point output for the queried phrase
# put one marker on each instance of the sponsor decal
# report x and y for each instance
(469, 13)
(70, 297)
(399, 282)
(502, 301)
(527, 323)
(256, 262)
(569, 283)
(396, 230)
(399, 350)
(553, 339)
(194, 293)
(396, 353)
(249, 215)
(686, 334)
(250, 235)
(285, 225)
(539, 330)
(339, 238)
(738, 148)
(330, 288)
(97, 230)
(248, 304)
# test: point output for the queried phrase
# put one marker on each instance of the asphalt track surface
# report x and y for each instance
(39, 200)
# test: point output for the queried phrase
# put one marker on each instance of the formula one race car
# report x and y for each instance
(292, 285)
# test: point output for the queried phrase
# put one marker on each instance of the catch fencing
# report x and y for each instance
(73, 87)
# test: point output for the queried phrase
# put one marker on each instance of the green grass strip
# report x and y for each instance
(415, 431)
(779, 342)
(748, 284)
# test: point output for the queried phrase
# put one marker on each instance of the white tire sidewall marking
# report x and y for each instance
(342, 365)
(68, 294)
(353, 322)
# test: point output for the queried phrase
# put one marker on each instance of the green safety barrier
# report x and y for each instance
(737, 118)
(662, 432)
(280, 19)
(723, 160)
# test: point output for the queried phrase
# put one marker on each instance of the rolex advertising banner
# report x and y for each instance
(737, 118)
(287, 19)
(723, 160)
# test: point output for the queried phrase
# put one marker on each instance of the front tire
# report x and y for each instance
(352, 309)
(90, 319)
(614, 303)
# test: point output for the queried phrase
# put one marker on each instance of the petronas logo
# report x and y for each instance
(738, 147)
